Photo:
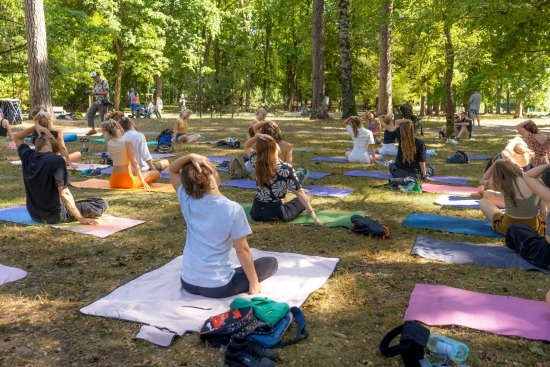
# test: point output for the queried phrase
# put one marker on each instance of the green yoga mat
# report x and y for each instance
(329, 219)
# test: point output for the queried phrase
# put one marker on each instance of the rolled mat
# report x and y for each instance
(67, 137)
(330, 219)
(451, 224)
(446, 189)
(314, 190)
(387, 175)
(503, 315)
(468, 253)
(107, 224)
(457, 202)
(95, 183)
(9, 274)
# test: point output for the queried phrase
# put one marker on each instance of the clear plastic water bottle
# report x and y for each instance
(84, 150)
(442, 349)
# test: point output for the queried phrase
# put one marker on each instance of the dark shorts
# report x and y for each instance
(276, 211)
(529, 245)
(181, 134)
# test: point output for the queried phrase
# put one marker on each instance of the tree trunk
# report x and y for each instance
(518, 110)
(499, 96)
(508, 101)
(37, 52)
(349, 107)
(318, 110)
(449, 68)
(385, 87)
(158, 88)
(118, 76)
(248, 88)
(266, 61)
(290, 81)
(423, 96)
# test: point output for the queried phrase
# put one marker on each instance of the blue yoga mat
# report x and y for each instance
(153, 155)
(318, 175)
(457, 202)
(67, 137)
(219, 159)
(479, 157)
(315, 190)
(330, 159)
(302, 150)
(468, 253)
(442, 179)
(451, 224)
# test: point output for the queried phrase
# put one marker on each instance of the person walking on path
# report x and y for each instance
(101, 102)
(475, 104)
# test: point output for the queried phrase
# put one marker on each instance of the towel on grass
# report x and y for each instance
(457, 202)
(107, 224)
(158, 300)
(95, 183)
(469, 253)
(10, 274)
(504, 315)
(329, 219)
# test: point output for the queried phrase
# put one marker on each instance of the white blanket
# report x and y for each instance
(9, 274)
(157, 298)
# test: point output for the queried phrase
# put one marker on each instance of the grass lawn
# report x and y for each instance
(366, 296)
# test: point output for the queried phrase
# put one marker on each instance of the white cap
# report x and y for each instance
(94, 74)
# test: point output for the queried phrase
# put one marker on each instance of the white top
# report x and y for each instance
(117, 151)
(141, 151)
(475, 101)
(213, 223)
(361, 143)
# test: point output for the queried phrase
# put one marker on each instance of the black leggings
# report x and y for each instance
(265, 268)
(529, 245)
(276, 211)
(397, 171)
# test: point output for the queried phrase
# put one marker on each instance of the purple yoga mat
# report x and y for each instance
(314, 190)
(503, 315)
(153, 155)
(443, 179)
(479, 157)
(219, 159)
(318, 175)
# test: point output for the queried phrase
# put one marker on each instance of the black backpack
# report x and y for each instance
(369, 227)
(459, 157)
(414, 338)
(218, 329)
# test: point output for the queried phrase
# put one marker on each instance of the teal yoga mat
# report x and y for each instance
(451, 224)
(329, 219)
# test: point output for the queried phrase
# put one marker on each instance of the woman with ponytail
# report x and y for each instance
(363, 142)
(411, 154)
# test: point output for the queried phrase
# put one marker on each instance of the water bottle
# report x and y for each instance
(84, 149)
(442, 349)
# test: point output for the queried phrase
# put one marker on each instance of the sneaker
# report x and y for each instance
(472, 139)
(451, 141)
(255, 346)
(91, 132)
(243, 357)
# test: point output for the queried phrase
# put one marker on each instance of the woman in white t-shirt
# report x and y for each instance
(215, 224)
(363, 142)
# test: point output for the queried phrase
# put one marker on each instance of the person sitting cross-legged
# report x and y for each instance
(215, 224)
(47, 182)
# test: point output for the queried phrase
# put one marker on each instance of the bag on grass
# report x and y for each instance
(414, 338)
(369, 227)
(164, 142)
(459, 157)
(273, 339)
(396, 182)
(229, 143)
(237, 169)
(217, 330)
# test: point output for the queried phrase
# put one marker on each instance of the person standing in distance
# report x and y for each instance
(101, 99)
(475, 104)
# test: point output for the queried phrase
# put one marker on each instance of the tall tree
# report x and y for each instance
(385, 87)
(449, 69)
(346, 78)
(37, 50)
(318, 110)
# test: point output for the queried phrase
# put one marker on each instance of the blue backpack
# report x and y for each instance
(273, 338)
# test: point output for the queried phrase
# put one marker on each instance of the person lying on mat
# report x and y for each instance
(520, 202)
(215, 224)
(388, 144)
(43, 118)
(274, 179)
(180, 129)
(363, 142)
(122, 153)
(411, 154)
(141, 151)
(47, 182)
(532, 244)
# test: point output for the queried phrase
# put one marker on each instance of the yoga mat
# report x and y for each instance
(153, 155)
(9, 274)
(102, 140)
(314, 190)
(446, 189)
(468, 253)
(303, 150)
(107, 224)
(329, 219)
(503, 315)
(219, 159)
(67, 137)
(78, 166)
(109, 170)
(384, 175)
(330, 159)
(457, 202)
(158, 300)
(94, 183)
(318, 175)
(451, 224)
(479, 157)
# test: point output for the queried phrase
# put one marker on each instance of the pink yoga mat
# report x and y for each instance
(503, 315)
(447, 189)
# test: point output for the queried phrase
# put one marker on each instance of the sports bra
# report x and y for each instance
(389, 137)
(118, 152)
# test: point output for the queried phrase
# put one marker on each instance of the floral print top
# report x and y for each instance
(541, 150)
(285, 181)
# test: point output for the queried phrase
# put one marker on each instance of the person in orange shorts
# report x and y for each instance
(121, 152)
